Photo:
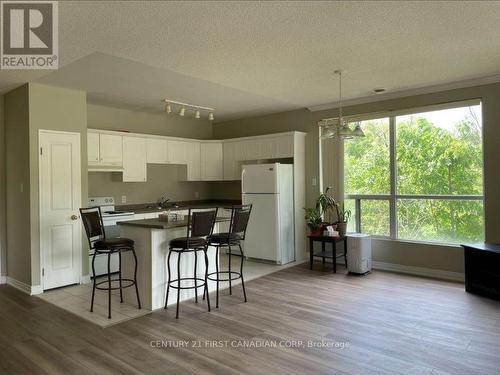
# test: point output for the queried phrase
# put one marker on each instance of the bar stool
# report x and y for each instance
(240, 215)
(200, 225)
(94, 228)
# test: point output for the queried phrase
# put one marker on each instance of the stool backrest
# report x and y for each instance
(240, 215)
(201, 222)
(92, 222)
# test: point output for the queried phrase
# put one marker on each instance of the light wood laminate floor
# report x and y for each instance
(382, 323)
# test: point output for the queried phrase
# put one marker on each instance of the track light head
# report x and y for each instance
(182, 112)
(197, 114)
(211, 116)
(168, 108)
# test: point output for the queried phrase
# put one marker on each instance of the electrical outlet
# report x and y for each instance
(124, 199)
(314, 181)
(196, 194)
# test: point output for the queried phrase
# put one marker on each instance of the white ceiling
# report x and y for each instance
(248, 58)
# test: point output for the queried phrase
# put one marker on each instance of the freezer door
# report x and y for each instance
(260, 179)
(262, 238)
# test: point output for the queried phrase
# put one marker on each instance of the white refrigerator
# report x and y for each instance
(271, 230)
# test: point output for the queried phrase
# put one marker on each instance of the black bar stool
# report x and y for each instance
(200, 225)
(240, 215)
(92, 221)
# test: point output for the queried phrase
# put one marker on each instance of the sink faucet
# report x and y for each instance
(163, 201)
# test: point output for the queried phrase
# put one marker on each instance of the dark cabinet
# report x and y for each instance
(482, 269)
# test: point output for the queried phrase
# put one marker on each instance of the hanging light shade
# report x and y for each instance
(168, 108)
(197, 114)
(182, 112)
(357, 131)
(345, 131)
(328, 132)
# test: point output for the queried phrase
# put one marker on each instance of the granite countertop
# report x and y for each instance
(177, 206)
(158, 224)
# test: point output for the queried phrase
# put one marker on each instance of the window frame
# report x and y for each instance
(393, 195)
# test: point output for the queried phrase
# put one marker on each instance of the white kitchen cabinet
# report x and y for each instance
(134, 159)
(157, 151)
(193, 161)
(110, 149)
(177, 152)
(211, 161)
(230, 163)
(93, 156)
(285, 146)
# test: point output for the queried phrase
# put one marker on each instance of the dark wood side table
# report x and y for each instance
(482, 269)
(324, 254)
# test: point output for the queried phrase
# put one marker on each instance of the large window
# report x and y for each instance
(418, 176)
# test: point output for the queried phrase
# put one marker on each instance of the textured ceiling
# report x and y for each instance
(261, 57)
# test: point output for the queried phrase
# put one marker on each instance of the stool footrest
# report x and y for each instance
(129, 281)
(174, 282)
(231, 275)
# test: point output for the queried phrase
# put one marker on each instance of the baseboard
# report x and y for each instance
(23, 287)
(419, 271)
(85, 279)
(3, 279)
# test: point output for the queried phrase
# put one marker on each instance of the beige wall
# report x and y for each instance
(416, 255)
(161, 180)
(108, 118)
(53, 108)
(18, 184)
(3, 227)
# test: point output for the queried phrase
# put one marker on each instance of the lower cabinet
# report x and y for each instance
(134, 159)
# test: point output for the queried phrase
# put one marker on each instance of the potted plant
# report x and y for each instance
(326, 203)
(314, 219)
(344, 216)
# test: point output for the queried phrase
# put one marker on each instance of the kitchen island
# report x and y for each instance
(152, 238)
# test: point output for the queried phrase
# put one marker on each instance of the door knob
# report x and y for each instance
(75, 217)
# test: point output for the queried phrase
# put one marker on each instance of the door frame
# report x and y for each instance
(42, 255)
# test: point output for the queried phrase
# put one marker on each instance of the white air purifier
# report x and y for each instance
(359, 253)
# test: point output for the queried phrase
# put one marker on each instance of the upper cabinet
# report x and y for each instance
(156, 150)
(104, 150)
(204, 160)
(134, 159)
(93, 148)
(110, 149)
(211, 161)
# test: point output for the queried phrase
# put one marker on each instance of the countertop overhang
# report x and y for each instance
(158, 224)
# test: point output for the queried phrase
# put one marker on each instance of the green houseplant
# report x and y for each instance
(314, 219)
(344, 216)
(325, 203)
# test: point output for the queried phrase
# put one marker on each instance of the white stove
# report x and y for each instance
(109, 219)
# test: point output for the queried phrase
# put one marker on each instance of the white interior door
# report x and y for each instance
(60, 198)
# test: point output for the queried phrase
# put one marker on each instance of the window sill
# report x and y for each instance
(427, 243)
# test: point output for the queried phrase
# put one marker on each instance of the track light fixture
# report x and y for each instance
(186, 106)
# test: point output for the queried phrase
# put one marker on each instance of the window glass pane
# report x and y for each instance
(440, 152)
(375, 217)
(366, 160)
(452, 221)
(350, 204)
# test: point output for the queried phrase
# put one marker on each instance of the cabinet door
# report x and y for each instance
(266, 148)
(93, 148)
(284, 145)
(193, 161)
(229, 162)
(177, 152)
(211, 161)
(110, 149)
(134, 159)
(156, 151)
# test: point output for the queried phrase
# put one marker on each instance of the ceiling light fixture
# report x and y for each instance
(198, 109)
(339, 127)
(168, 108)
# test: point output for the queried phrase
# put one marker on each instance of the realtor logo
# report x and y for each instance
(29, 35)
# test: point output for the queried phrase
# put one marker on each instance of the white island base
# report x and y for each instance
(152, 248)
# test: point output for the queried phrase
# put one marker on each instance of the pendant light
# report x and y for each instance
(358, 132)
